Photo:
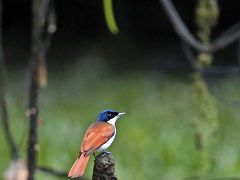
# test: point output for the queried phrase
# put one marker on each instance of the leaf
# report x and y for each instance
(109, 16)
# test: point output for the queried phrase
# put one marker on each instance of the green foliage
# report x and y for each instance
(109, 16)
(154, 139)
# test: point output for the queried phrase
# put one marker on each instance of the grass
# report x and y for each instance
(154, 139)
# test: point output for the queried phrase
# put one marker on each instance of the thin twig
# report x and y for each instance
(231, 35)
(47, 17)
(217, 70)
(3, 102)
(50, 25)
(180, 27)
(208, 73)
(54, 172)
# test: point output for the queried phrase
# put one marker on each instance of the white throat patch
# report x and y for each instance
(113, 120)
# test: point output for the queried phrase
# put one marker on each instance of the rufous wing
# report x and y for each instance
(96, 135)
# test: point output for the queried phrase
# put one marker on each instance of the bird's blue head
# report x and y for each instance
(107, 115)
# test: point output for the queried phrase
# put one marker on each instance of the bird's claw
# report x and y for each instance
(105, 153)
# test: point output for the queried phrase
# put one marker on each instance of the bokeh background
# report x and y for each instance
(142, 71)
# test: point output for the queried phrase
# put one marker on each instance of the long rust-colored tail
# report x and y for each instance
(79, 166)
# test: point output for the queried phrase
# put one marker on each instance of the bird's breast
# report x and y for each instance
(108, 143)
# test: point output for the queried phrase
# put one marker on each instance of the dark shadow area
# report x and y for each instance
(146, 40)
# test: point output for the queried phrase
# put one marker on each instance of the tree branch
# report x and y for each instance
(55, 172)
(3, 101)
(231, 35)
(43, 15)
(33, 89)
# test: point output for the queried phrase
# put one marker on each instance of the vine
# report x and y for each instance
(206, 119)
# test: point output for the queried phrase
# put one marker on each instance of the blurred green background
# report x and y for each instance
(142, 71)
(155, 139)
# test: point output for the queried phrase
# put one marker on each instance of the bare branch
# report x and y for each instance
(57, 173)
(42, 10)
(3, 102)
(53, 172)
(181, 29)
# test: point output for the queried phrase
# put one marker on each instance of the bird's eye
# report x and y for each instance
(109, 114)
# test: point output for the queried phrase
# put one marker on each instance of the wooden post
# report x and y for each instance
(104, 167)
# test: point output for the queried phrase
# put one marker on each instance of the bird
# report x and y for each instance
(98, 137)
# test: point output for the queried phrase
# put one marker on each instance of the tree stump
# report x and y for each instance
(104, 167)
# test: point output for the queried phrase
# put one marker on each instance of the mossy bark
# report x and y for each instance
(206, 119)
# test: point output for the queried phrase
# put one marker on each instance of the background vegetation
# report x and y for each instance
(182, 116)
(155, 139)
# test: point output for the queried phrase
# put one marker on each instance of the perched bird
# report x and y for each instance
(98, 137)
